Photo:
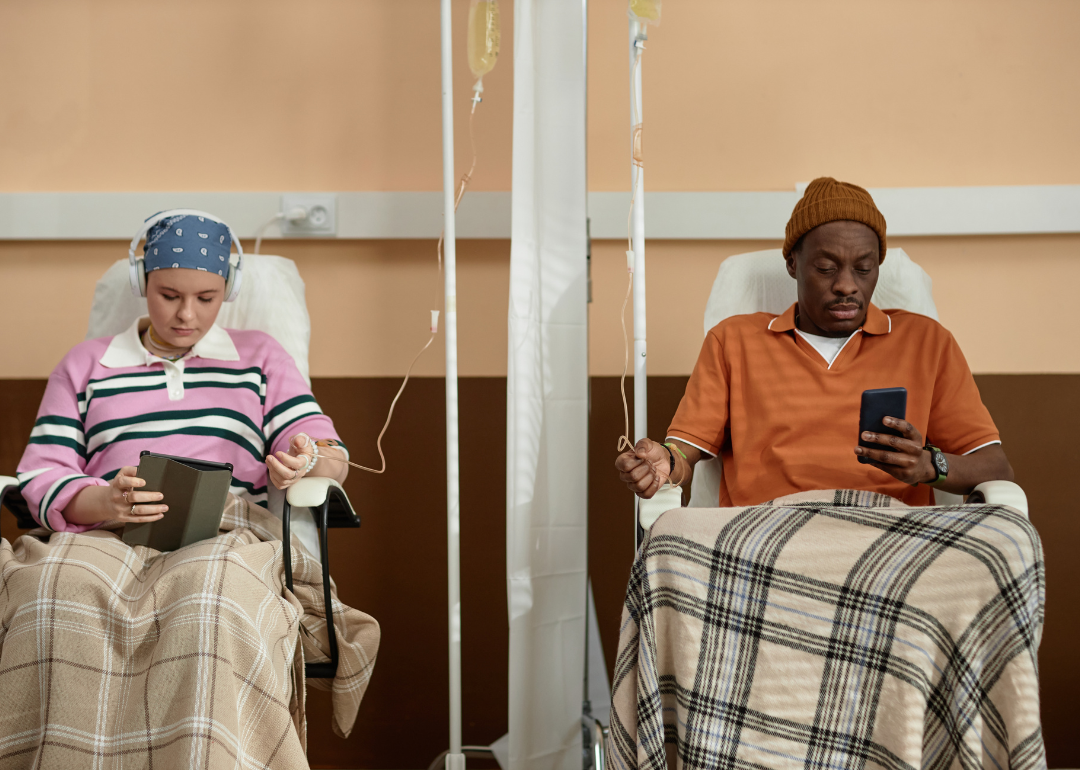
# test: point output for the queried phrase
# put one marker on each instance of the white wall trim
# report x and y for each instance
(1000, 210)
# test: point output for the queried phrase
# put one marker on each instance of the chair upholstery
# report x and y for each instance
(759, 282)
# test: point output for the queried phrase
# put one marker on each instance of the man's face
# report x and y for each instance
(836, 267)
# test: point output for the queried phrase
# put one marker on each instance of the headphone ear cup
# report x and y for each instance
(229, 283)
(137, 274)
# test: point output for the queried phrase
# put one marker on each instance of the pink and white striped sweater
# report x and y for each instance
(236, 397)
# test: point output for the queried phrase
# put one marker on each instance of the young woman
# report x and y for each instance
(194, 656)
(174, 383)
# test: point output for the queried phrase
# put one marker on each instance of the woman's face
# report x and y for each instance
(183, 303)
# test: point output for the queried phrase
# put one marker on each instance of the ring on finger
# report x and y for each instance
(295, 474)
(126, 493)
(133, 510)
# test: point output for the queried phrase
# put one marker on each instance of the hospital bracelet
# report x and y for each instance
(669, 446)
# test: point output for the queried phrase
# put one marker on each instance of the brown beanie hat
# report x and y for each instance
(827, 200)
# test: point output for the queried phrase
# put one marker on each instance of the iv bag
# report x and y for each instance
(483, 42)
(646, 11)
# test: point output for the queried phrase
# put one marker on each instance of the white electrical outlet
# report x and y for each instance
(320, 215)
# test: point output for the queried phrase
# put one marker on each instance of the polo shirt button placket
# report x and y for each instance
(174, 380)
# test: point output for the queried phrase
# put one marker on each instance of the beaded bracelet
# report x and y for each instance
(314, 458)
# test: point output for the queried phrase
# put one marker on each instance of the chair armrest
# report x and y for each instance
(665, 499)
(1000, 493)
(310, 491)
(316, 491)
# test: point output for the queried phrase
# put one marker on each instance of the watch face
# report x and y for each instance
(941, 463)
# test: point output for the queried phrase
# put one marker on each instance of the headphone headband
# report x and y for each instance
(137, 265)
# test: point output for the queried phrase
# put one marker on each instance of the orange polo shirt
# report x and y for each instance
(784, 421)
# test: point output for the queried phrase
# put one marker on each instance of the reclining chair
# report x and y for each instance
(272, 301)
(759, 282)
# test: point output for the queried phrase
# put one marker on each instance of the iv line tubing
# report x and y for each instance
(389, 416)
(455, 759)
(462, 186)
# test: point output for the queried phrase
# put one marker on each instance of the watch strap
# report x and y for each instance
(671, 457)
(933, 463)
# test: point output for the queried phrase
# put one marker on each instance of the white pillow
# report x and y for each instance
(759, 282)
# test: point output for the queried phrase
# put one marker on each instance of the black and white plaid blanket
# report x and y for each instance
(832, 630)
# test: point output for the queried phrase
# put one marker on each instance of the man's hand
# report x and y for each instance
(905, 459)
(645, 469)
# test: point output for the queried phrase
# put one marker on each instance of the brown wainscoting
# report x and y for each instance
(395, 566)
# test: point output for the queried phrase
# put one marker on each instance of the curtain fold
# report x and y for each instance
(547, 389)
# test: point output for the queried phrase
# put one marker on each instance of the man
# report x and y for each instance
(778, 397)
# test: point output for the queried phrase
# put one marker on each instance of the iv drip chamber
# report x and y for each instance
(646, 11)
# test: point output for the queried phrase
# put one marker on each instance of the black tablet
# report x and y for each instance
(194, 490)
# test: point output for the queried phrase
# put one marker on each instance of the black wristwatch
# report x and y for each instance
(940, 464)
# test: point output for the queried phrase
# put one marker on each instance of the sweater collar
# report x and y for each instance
(126, 349)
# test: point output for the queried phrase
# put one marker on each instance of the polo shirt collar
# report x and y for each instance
(126, 349)
(876, 321)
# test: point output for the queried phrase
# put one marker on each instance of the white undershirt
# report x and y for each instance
(828, 347)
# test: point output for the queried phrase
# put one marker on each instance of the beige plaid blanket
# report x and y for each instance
(113, 656)
(832, 630)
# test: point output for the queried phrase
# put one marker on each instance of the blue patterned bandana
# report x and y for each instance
(194, 242)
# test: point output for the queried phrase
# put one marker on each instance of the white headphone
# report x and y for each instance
(137, 263)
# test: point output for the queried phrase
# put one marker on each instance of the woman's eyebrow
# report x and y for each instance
(177, 291)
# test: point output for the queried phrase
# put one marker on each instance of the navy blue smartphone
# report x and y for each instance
(877, 405)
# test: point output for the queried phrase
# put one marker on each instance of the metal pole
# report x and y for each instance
(637, 173)
(455, 759)
(586, 708)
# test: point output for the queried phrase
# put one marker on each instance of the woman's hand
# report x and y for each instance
(286, 468)
(125, 503)
(120, 500)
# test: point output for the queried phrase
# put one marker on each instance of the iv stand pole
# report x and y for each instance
(455, 759)
(641, 427)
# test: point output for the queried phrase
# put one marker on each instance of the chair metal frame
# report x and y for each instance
(335, 511)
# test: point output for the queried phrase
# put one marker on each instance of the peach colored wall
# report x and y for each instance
(1000, 297)
(739, 95)
(239, 95)
(369, 301)
(344, 94)
(758, 95)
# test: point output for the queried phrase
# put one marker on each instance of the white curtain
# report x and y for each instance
(547, 389)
